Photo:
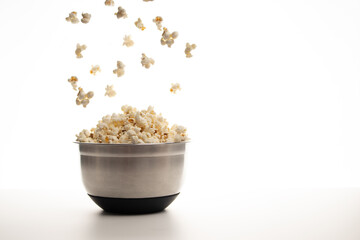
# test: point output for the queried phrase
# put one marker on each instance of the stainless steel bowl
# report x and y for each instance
(132, 178)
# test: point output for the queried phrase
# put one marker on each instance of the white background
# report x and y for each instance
(271, 97)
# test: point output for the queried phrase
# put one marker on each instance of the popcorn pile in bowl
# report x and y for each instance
(133, 127)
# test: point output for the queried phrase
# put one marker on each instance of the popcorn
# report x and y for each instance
(110, 91)
(83, 98)
(119, 71)
(73, 80)
(84, 134)
(158, 20)
(188, 49)
(128, 41)
(121, 13)
(95, 69)
(86, 17)
(139, 24)
(168, 38)
(79, 49)
(175, 87)
(109, 2)
(72, 18)
(146, 62)
(133, 127)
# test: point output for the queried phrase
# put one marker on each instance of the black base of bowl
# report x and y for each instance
(134, 205)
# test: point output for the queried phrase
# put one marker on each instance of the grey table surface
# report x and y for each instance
(289, 214)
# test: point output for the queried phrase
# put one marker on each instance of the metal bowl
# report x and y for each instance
(132, 178)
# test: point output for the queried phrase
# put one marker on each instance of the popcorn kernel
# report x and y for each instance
(120, 70)
(85, 17)
(83, 98)
(158, 20)
(79, 49)
(128, 41)
(188, 49)
(146, 61)
(72, 18)
(121, 13)
(139, 24)
(95, 69)
(109, 3)
(110, 92)
(168, 38)
(73, 81)
(175, 87)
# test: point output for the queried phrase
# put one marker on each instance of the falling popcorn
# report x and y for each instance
(158, 20)
(119, 71)
(140, 126)
(83, 98)
(73, 80)
(95, 69)
(109, 3)
(168, 38)
(175, 87)
(121, 13)
(188, 49)
(86, 17)
(139, 24)
(72, 18)
(79, 49)
(128, 41)
(146, 62)
(110, 91)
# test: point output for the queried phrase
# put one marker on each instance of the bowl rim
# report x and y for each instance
(130, 144)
